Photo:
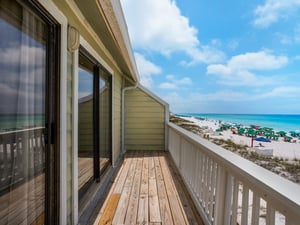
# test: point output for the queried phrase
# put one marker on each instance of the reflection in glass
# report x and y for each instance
(85, 122)
(22, 115)
(105, 119)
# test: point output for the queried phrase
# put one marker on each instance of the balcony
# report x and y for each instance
(165, 188)
(148, 190)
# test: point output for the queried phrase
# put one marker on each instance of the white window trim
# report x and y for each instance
(91, 51)
(62, 20)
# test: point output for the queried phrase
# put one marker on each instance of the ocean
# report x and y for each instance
(18, 122)
(277, 122)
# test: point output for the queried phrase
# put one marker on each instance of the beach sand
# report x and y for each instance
(281, 149)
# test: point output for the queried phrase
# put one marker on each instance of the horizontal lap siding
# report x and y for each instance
(144, 122)
(117, 99)
(85, 126)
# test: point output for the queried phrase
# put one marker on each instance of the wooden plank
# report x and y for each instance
(178, 214)
(111, 191)
(143, 210)
(132, 209)
(24, 203)
(161, 197)
(190, 209)
(121, 180)
(125, 195)
(154, 210)
(165, 211)
(110, 209)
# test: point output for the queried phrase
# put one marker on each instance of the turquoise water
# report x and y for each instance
(278, 122)
(16, 122)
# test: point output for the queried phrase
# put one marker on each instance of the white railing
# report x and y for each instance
(22, 156)
(228, 189)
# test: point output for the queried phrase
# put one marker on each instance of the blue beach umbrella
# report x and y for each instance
(262, 139)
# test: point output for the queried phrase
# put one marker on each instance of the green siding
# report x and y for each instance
(117, 108)
(85, 126)
(144, 121)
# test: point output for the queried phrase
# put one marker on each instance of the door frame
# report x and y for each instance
(61, 109)
(93, 53)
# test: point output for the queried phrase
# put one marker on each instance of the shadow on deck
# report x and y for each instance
(148, 190)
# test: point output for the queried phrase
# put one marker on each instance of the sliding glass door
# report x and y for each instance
(105, 119)
(94, 121)
(28, 79)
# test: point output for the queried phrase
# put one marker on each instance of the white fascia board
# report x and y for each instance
(154, 96)
(125, 35)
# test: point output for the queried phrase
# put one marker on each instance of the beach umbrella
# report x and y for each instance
(262, 139)
(241, 130)
(281, 133)
(288, 138)
(293, 133)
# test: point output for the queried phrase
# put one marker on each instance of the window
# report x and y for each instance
(94, 121)
(28, 76)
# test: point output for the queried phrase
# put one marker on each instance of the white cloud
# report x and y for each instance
(291, 38)
(274, 10)
(146, 70)
(282, 92)
(233, 44)
(239, 69)
(224, 100)
(12, 55)
(297, 34)
(257, 61)
(175, 83)
(159, 26)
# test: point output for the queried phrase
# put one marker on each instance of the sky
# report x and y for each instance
(218, 56)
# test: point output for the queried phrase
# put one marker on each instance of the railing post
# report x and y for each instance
(223, 197)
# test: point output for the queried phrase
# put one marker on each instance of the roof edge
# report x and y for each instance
(114, 15)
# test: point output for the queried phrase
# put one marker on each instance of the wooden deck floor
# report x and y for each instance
(148, 190)
(85, 169)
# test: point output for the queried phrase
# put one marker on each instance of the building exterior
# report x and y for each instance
(71, 105)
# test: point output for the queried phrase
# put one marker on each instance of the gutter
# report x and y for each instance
(123, 116)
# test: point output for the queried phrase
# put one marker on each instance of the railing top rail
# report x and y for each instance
(258, 177)
(19, 131)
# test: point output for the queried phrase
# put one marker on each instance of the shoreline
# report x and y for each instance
(284, 160)
(284, 122)
(281, 149)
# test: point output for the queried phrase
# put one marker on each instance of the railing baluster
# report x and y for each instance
(255, 209)
(22, 156)
(214, 175)
(270, 219)
(228, 199)
(201, 173)
(212, 191)
(245, 204)
(197, 173)
(220, 196)
(235, 201)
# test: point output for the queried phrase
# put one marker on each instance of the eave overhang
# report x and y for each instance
(107, 20)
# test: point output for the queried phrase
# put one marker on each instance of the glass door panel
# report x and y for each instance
(85, 121)
(23, 115)
(105, 121)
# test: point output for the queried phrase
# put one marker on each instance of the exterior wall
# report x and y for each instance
(145, 116)
(85, 126)
(117, 108)
(144, 121)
